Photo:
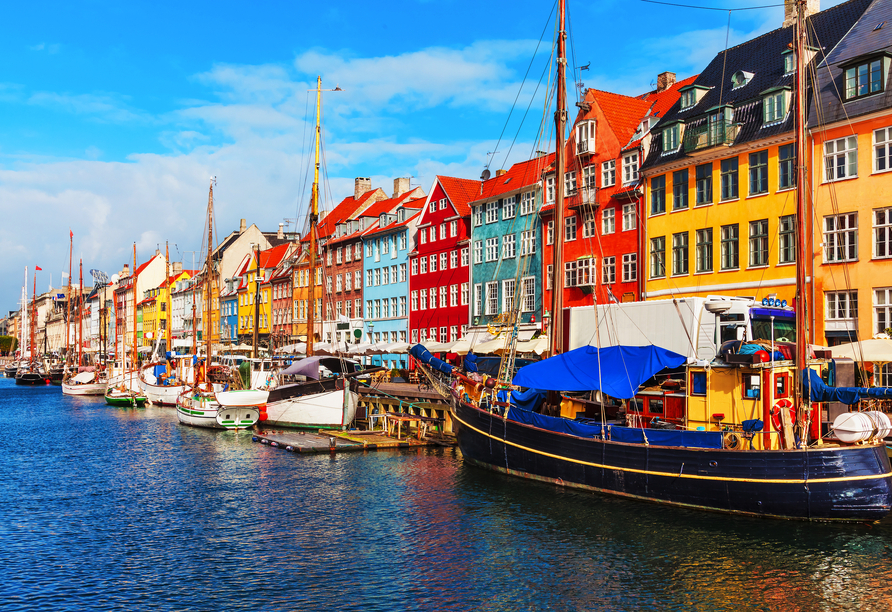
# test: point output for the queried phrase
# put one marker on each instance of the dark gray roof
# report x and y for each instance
(763, 57)
(863, 39)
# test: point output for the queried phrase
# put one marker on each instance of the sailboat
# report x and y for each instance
(32, 372)
(77, 382)
(322, 401)
(124, 391)
(768, 464)
(204, 403)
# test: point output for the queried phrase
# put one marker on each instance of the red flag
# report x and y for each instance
(71, 233)
(36, 268)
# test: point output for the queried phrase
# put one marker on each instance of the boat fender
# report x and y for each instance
(274, 444)
(731, 440)
(255, 439)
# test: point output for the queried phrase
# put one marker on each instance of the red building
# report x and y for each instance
(439, 264)
(604, 217)
(283, 299)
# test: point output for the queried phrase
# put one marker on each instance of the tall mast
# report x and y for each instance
(802, 215)
(33, 314)
(560, 124)
(80, 310)
(207, 280)
(314, 217)
(168, 317)
(133, 344)
(256, 302)
(68, 305)
(26, 316)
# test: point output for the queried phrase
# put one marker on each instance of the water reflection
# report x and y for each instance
(128, 509)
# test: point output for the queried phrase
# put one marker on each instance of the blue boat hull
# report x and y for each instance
(851, 483)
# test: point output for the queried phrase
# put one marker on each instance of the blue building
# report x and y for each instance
(506, 251)
(386, 246)
(229, 312)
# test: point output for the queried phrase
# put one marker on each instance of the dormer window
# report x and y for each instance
(400, 214)
(585, 137)
(740, 78)
(789, 62)
(774, 105)
(691, 95)
(866, 77)
(671, 137)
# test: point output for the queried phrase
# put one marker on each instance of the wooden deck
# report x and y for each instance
(341, 441)
(407, 399)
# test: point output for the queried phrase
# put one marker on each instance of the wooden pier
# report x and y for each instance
(342, 441)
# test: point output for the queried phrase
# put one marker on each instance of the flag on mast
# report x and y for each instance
(36, 268)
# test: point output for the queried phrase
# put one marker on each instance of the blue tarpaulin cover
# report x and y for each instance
(634, 435)
(424, 356)
(622, 369)
(820, 392)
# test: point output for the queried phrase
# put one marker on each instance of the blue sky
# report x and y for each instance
(113, 115)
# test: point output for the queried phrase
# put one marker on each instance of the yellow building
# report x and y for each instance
(254, 301)
(720, 176)
(301, 284)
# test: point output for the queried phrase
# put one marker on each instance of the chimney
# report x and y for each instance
(501, 172)
(126, 270)
(176, 268)
(665, 80)
(400, 186)
(242, 226)
(811, 7)
(157, 252)
(360, 186)
(281, 233)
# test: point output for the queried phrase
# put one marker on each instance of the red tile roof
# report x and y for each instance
(271, 258)
(374, 229)
(347, 209)
(391, 204)
(460, 192)
(664, 100)
(519, 175)
(623, 113)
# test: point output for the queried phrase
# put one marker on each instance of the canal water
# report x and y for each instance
(117, 509)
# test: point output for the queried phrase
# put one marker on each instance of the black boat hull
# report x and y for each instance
(825, 484)
(31, 379)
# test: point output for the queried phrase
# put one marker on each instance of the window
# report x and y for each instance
(864, 79)
(729, 179)
(789, 62)
(453, 228)
(670, 138)
(786, 162)
(478, 216)
(630, 267)
(453, 259)
(570, 228)
(422, 234)
(630, 168)
(730, 247)
(414, 336)
(453, 295)
(377, 309)
(422, 300)
(759, 172)
(377, 276)
(549, 232)
(585, 137)
(508, 246)
(842, 305)
(478, 251)
(658, 195)
(492, 211)
(414, 267)
(402, 276)
(414, 304)
(608, 270)
(527, 202)
(492, 249)
(443, 203)
(432, 297)
(508, 287)
(549, 189)
(579, 272)
(759, 243)
(590, 177)
(443, 335)
(841, 237)
(432, 231)
(492, 298)
(443, 297)
(628, 217)
(464, 294)
(882, 231)
(704, 184)
(348, 282)
(385, 245)
(549, 277)
(841, 158)
(423, 262)
(608, 173)
(465, 254)
(679, 253)
(688, 98)
(339, 255)
(478, 299)
(882, 149)
(774, 107)
(883, 309)
(570, 182)
(528, 298)
(680, 190)
(403, 241)
(528, 242)
(608, 223)
(658, 257)
(442, 232)
(443, 257)
(786, 241)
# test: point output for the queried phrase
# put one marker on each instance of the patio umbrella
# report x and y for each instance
(875, 350)
(363, 348)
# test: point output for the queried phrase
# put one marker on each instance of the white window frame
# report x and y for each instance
(492, 298)
(527, 202)
(478, 251)
(509, 246)
(608, 173)
(508, 289)
(492, 249)
(882, 150)
(630, 168)
(842, 235)
(608, 221)
(509, 207)
(630, 267)
(882, 233)
(841, 306)
(841, 149)
(528, 298)
(492, 212)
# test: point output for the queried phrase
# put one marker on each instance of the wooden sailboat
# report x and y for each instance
(124, 391)
(768, 462)
(204, 403)
(32, 372)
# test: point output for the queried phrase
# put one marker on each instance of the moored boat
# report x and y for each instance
(85, 383)
(124, 398)
(325, 402)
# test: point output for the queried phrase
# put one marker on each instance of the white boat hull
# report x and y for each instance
(201, 410)
(84, 389)
(330, 409)
(161, 395)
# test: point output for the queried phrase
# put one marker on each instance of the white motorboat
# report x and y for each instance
(85, 383)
